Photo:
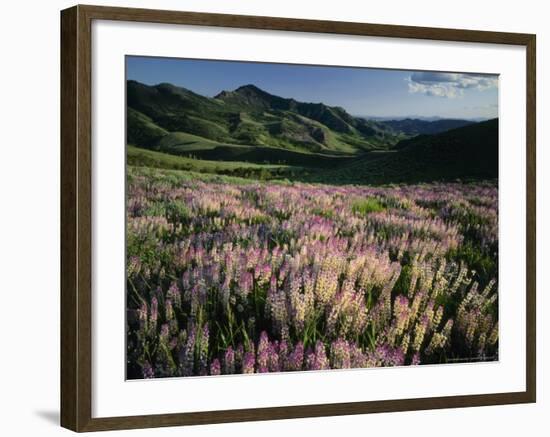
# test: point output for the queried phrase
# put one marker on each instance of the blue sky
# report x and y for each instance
(361, 91)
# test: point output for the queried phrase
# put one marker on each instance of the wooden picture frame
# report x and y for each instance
(76, 217)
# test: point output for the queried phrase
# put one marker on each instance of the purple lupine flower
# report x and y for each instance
(187, 353)
(134, 266)
(420, 332)
(248, 362)
(154, 313)
(164, 332)
(174, 294)
(357, 357)
(296, 358)
(147, 370)
(283, 355)
(186, 283)
(318, 360)
(262, 358)
(274, 364)
(169, 310)
(340, 354)
(276, 305)
(203, 350)
(215, 367)
(273, 283)
(387, 355)
(401, 313)
(229, 361)
(245, 283)
(142, 316)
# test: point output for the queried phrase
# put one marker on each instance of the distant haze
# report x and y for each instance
(367, 92)
(416, 117)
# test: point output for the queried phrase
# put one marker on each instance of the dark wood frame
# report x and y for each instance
(76, 218)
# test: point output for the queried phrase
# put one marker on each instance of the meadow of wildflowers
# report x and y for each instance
(228, 276)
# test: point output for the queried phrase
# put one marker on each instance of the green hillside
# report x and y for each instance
(248, 116)
(138, 157)
(469, 152)
(414, 126)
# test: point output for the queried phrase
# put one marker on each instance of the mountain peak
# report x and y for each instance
(246, 90)
(250, 88)
(252, 96)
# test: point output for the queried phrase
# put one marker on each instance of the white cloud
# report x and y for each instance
(449, 85)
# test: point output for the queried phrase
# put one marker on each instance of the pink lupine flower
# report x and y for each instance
(187, 353)
(168, 309)
(134, 266)
(340, 354)
(164, 332)
(148, 371)
(215, 367)
(174, 295)
(274, 364)
(262, 358)
(229, 361)
(248, 362)
(317, 360)
(203, 348)
(283, 355)
(142, 316)
(296, 357)
(154, 313)
(245, 283)
(401, 312)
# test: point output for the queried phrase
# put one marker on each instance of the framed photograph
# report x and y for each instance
(268, 218)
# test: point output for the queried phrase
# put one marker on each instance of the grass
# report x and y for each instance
(366, 206)
(148, 158)
(181, 142)
(142, 130)
(269, 155)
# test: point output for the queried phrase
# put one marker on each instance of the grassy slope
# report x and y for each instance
(469, 152)
(413, 126)
(142, 130)
(188, 145)
(466, 153)
(138, 157)
(249, 116)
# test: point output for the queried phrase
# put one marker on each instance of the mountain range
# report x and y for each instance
(415, 126)
(249, 116)
(466, 153)
(251, 125)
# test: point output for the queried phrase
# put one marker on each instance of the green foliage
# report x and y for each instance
(485, 265)
(177, 212)
(366, 206)
(147, 158)
(403, 282)
(142, 130)
(155, 209)
(323, 212)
